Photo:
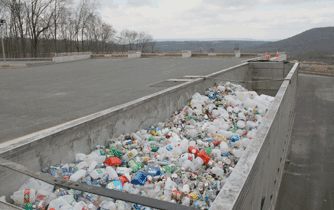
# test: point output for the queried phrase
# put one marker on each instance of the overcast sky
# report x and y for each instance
(212, 19)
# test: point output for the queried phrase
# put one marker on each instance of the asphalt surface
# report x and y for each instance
(308, 180)
(32, 99)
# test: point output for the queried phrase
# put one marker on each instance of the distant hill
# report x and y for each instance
(205, 46)
(313, 40)
(315, 56)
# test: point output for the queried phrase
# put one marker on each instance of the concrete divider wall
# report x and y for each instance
(255, 180)
(62, 59)
(59, 144)
(270, 79)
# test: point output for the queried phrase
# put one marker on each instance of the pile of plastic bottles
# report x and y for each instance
(184, 160)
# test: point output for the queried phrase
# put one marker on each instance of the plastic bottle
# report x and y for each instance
(193, 150)
(177, 151)
(92, 166)
(217, 171)
(187, 156)
(198, 162)
(184, 145)
(187, 164)
(129, 155)
(80, 206)
(66, 200)
(108, 205)
(98, 173)
(78, 175)
(123, 170)
(224, 147)
(24, 196)
(30, 184)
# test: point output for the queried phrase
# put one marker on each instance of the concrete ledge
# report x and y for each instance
(40, 64)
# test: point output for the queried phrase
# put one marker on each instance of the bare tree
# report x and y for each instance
(42, 27)
(152, 46)
(39, 18)
(142, 43)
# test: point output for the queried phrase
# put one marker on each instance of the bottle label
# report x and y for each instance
(40, 196)
(130, 154)
(99, 171)
(26, 197)
(169, 147)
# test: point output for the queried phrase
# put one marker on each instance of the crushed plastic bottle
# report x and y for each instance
(184, 160)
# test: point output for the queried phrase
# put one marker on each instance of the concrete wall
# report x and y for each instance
(60, 143)
(186, 54)
(62, 59)
(134, 55)
(270, 79)
(255, 180)
(237, 53)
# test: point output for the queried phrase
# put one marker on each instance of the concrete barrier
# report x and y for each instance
(186, 54)
(237, 53)
(252, 181)
(133, 54)
(61, 59)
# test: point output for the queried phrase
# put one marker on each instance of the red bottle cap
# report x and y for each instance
(193, 150)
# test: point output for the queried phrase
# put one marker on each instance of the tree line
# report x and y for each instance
(40, 28)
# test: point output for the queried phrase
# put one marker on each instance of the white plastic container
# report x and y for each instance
(65, 201)
(78, 175)
(92, 166)
(31, 184)
(131, 154)
(111, 172)
(24, 196)
(98, 173)
(217, 171)
(198, 162)
(224, 147)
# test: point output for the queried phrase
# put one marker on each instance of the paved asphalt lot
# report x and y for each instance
(32, 99)
(308, 180)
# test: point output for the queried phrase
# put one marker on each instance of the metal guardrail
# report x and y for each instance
(68, 184)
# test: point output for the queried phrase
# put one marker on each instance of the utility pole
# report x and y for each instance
(2, 22)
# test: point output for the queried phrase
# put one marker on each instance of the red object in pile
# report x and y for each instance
(216, 143)
(193, 150)
(205, 157)
(113, 161)
(124, 179)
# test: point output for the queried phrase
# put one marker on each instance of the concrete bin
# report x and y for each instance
(254, 182)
